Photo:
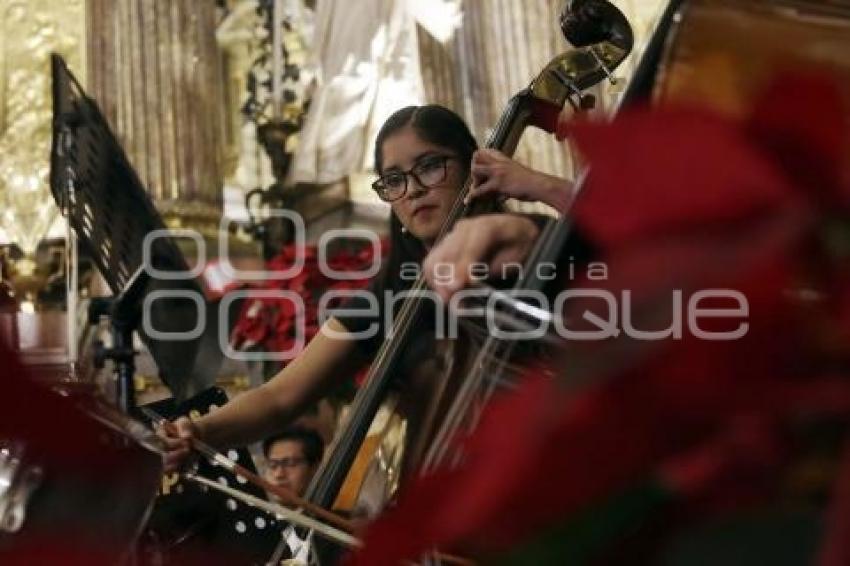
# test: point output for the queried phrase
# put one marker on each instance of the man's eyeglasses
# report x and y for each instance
(429, 172)
(288, 463)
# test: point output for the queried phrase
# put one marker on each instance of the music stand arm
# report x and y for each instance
(125, 313)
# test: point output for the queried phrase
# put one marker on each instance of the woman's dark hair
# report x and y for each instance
(311, 443)
(435, 124)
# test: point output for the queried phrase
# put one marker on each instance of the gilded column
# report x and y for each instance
(156, 72)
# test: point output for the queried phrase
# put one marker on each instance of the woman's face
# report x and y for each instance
(422, 210)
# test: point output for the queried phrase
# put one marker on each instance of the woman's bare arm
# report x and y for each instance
(260, 412)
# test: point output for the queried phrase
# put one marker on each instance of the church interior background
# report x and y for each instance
(240, 122)
(226, 109)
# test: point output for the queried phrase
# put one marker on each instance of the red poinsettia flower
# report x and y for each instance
(680, 200)
(274, 324)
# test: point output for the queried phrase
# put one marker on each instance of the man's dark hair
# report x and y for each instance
(311, 442)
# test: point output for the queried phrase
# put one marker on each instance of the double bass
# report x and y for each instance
(609, 41)
(603, 39)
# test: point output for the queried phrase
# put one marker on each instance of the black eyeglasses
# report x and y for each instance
(429, 172)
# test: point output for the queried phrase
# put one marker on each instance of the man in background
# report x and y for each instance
(292, 458)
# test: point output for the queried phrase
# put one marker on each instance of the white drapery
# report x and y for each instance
(367, 66)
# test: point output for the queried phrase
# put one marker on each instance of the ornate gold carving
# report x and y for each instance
(29, 32)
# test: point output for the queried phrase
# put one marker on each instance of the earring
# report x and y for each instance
(404, 229)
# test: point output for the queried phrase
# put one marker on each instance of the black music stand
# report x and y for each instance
(105, 203)
(188, 519)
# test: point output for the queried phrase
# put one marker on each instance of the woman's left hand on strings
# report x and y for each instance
(494, 172)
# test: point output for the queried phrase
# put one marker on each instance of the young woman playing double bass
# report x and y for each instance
(423, 156)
